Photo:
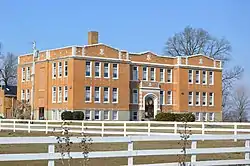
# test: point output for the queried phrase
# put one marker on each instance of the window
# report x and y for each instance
(169, 98)
(197, 75)
(211, 78)
(97, 94)
(115, 71)
(59, 94)
(23, 95)
(204, 116)
(97, 69)
(106, 94)
(162, 97)
(145, 74)
(27, 95)
(162, 75)
(87, 94)
(211, 99)
(115, 115)
(87, 115)
(28, 74)
(197, 116)
(54, 70)
(211, 116)
(135, 96)
(23, 74)
(65, 94)
(197, 99)
(135, 115)
(152, 74)
(53, 94)
(135, 73)
(190, 76)
(88, 69)
(115, 95)
(106, 70)
(204, 98)
(190, 98)
(65, 68)
(169, 71)
(97, 115)
(204, 77)
(59, 69)
(106, 115)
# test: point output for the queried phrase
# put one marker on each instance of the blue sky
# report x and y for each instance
(132, 25)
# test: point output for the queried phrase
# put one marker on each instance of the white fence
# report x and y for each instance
(130, 153)
(125, 128)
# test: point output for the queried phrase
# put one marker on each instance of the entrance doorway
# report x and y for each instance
(41, 113)
(149, 108)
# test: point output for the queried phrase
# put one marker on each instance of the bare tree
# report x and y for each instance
(22, 110)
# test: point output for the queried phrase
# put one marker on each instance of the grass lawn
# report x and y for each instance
(40, 148)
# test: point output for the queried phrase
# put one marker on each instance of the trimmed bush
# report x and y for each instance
(181, 117)
(67, 115)
(165, 116)
(185, 117)
(78, 115)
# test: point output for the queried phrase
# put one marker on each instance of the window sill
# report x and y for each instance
(97, 102)
(87, 101)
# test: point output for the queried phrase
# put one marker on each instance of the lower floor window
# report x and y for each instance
(197, 116)
(106, 115)
(114, 115)
(203, 116)
(211, 116)
(134, 115)
(87, 115)
(97, 115)
(56, 114)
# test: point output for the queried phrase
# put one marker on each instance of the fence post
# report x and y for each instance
(51, 150)
(125, 129)
(102, 129)
(193, 156)
(149, 125)
(247, 154)
(235, 132)
(46, 129)
(14, 126)
(175, 127)
(28, 126)
(130, 150)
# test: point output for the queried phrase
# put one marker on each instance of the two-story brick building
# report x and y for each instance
(111, 84)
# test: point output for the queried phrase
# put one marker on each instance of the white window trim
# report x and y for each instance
(198, 100)
(99, 114)
(146, 73)
(206, 116)
(192, 99)
(60, 67)
(23, 74)
(205, 98)
(104, 114)
(212, 116)
(108, 70)
(90, 94)
(27, 95)
(100, 69)
(198, 77)
(28, 74)
(90, 115)
(53, 71)
(212, 100)
(90, 66)
(205, 78)
(22, 94)
(137, 71)
(65, 93)
(104, 94)
(154, 74)
(115, 78)
(99, 95)
(133, 96)
(64, 66)
(163, 100)
(116, 115)
(163, 79)
(117, 95)
(59, 96)
(171, 98)
(199, 117)
(171, 75)
(212, 78)
(192, 77)
(53, 101)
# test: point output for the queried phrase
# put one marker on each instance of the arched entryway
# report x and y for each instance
(150, 106)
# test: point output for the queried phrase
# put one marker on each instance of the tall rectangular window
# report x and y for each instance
(135, 96)
(59, 94)
(97, 69)
(97, 94)
(28, 74)
(190, 98)
(135, 115)
(88, 69)
(169, 102)
(115, 115)
(53, 94)
(152, 74)
(211, 99)
(106, 115)
(106, 94)
(204, 98)
(65, 93)
(115, 71)
(87, 115)
(204, 116)
(197, 77)
(190, 76)
(145, 74)
(27, 95)
(97, 115)
(23, 74)
(169, 72)
(115, 95)
(88, 94)
(54, 70)
(23, 95)
(162, 75)
(65, 68)
(106, 70)
(211, 116)
(197, 116)
(135, 73)
(162, 97)
(197, 99)
(59, 69)
(211, 78)
(204, 77)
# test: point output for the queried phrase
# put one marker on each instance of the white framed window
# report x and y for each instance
(211, 99)
(23, 95)
(106, 70)
(97, 95)
(169, 74)
(106, 94)
(87, 115)
(88, 69)
(197, 116)
(190, 76)
(115, 71)
(204, 116)
(27, 95)
(211, 116)
(87, 94)
(65, 94)
(97, 70)
(106, 115)
(135, 96)
(28, 74)
(65, 68)
(204, 77)
(59, 94)
(135, 73)
(97, 115)
(197, 76)
(23, 74)
(162, 97)
(169, 101)
(59, 69)
(53, 70)
(211, 78)
(53, 94)
(162, 75)
(197, 98)
(204, 98)
(134, 115)
(115, 95)
(114, 115)
(145, 73)
(190, 98)
(152, 74)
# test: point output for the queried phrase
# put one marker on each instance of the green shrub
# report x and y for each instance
(180, 117)
(78, 115)
(165, 116)
(185, 117)
(67, 115)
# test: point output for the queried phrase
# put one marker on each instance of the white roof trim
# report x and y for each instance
(190, 56)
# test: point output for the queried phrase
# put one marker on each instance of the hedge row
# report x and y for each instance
(181, 117)
(75, 115)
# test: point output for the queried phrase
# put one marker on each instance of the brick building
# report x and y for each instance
(8, 98)
(111, 84)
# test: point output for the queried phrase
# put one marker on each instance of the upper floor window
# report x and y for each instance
(204, 77)
(169, 71)
(59, 69)
(204, 98)
(27, 95)
(59, 94)
(106, 70)
(88, 94)
(97, 94)
(162, 75)
(115, 71)
(169, 101)
(28, 74)
(145, 74)
(211, 78)
(190, 98)
(197, 77)
(54, 70)
(135, 73)
(190, 76)
(23, 74)
(115, 95)
(162, 97)
(211, 99)
(152, 74)
(65, 94)
(88, 69)
(23, 95)
(97, 69)
(53, 94)
(135, 96)
(65, 68)
(106, 94)
(197, 98)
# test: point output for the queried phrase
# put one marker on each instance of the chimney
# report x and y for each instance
(92, 37)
